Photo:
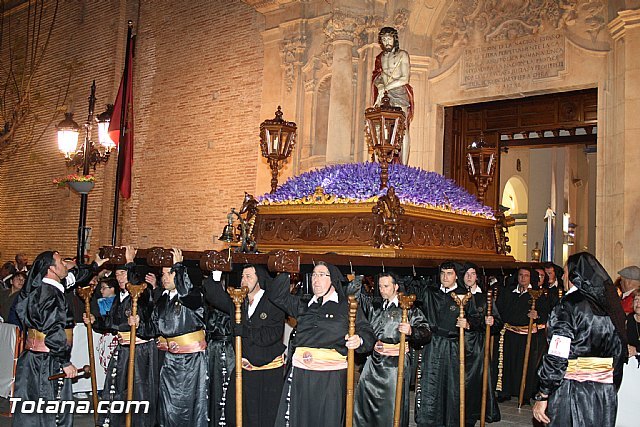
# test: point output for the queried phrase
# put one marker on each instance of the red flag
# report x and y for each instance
(125, 146)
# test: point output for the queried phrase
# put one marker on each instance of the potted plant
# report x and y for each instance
(82, 184)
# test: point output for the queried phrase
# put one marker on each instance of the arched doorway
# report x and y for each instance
(549, 141)
(515, 198)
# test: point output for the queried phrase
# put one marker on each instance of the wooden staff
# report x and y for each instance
(485, 365)
(535, 294)
(238, 295)
(495, 290)
(86, 369)
(353, 308)
(134, 292)
(461, 300)
(406, 302)
(85, 293)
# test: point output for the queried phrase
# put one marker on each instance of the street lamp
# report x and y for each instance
(68, 131)
(384, 130)
(88, 155)
(277, 139)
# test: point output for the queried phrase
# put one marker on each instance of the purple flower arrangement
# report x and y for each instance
(360, 182)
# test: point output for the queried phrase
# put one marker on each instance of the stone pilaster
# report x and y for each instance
(619, 201)
(341, 29)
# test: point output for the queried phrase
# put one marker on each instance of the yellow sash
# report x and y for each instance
(597, 369)
(275, 363)
(192, 342)
(389, 349)
(124, 338)
(319, 359)
(35, 340)
(524, 330)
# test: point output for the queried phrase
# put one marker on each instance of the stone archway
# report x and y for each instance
(515, 197)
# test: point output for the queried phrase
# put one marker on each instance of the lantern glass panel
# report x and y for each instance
(490, 164)
(377, 132)
(390, 131)
(68, 141)
(103, 136)
(275, 142)
(286, 142)
(472, 165)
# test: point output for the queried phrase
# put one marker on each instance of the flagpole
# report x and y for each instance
(123, 129)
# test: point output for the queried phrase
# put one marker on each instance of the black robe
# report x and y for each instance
(375, 394)
(438, 398)
(146, 361)
(45, 310)
(261, 344)
(221, 365)
(475, 339)
(317, 398)
(592, 334)
(184, 377)
(553, 294)
(514, 308)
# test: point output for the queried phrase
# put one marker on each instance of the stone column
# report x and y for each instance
(620, 192)
(293, 56)
(341, 29)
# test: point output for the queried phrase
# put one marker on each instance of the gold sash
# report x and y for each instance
(124, 338)
(597, 369)
(389, 349)
(275, 363)
(524, 330)
(35, 340)
(192, 342)
(162, 344)
(319, 359)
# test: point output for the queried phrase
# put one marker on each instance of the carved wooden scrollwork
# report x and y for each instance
(284, 261)
(159, 257)
(116, 254)
(386, 224)
(501, 227)
(387, 212)
(248, 213)
(214, 260)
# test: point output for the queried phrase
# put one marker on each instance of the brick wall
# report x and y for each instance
(197, 90)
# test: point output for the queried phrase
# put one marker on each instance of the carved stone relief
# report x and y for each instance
(293, 52)
(476, 23)
(343, 26)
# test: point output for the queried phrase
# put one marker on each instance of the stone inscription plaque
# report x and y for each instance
(508, 64)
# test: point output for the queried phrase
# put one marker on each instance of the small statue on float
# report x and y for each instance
(391, 75)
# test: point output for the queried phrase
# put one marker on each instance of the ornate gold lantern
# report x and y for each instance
(481, 165)
(384, 130)
(277, 139)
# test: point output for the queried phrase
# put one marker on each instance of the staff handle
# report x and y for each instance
(406, 302)
(84, 370)
(461, 300)
(238, 295)
(527, 350)
(353, 309)
(134, 292)
(485, 364)
(85, 293)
